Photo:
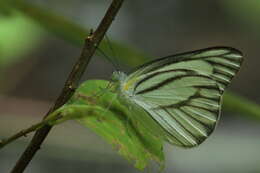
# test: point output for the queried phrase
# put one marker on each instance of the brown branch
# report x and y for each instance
(91, 42)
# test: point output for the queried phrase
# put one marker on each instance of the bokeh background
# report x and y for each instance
(35, 61)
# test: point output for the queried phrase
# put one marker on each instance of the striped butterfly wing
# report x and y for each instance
(182, 93)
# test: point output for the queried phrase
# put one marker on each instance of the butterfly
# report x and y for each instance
(182, 93)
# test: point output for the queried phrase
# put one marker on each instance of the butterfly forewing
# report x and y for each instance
(182, 93)
(219, 63)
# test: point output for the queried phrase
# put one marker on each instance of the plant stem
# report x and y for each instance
(241, 106)
(24, 132)
(90, 44)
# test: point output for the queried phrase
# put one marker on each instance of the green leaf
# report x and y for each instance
(97, 108)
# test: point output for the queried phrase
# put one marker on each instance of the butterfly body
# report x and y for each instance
(181, 94)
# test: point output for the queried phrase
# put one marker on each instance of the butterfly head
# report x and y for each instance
(118, 76)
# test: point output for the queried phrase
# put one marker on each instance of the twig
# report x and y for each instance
(24, 132)
(91, 42)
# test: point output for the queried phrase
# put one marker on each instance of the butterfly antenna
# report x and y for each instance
(108, 58)
(113, 52)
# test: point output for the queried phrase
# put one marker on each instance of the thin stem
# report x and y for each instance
(241, 106)
(90, 44)
(24, 132)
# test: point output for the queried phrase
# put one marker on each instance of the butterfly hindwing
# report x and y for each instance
(182, 93)
(187, 106)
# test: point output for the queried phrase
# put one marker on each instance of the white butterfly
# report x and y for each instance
(181, 94)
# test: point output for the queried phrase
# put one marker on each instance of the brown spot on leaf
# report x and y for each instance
(89, 99)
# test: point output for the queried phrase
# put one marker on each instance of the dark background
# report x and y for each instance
(34, 65)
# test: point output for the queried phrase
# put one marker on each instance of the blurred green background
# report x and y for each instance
(36, 56)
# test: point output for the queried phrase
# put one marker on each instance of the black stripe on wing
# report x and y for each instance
(186, 71)
(186, 56)
(171, 80)
(225, 61)
(224, 72)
